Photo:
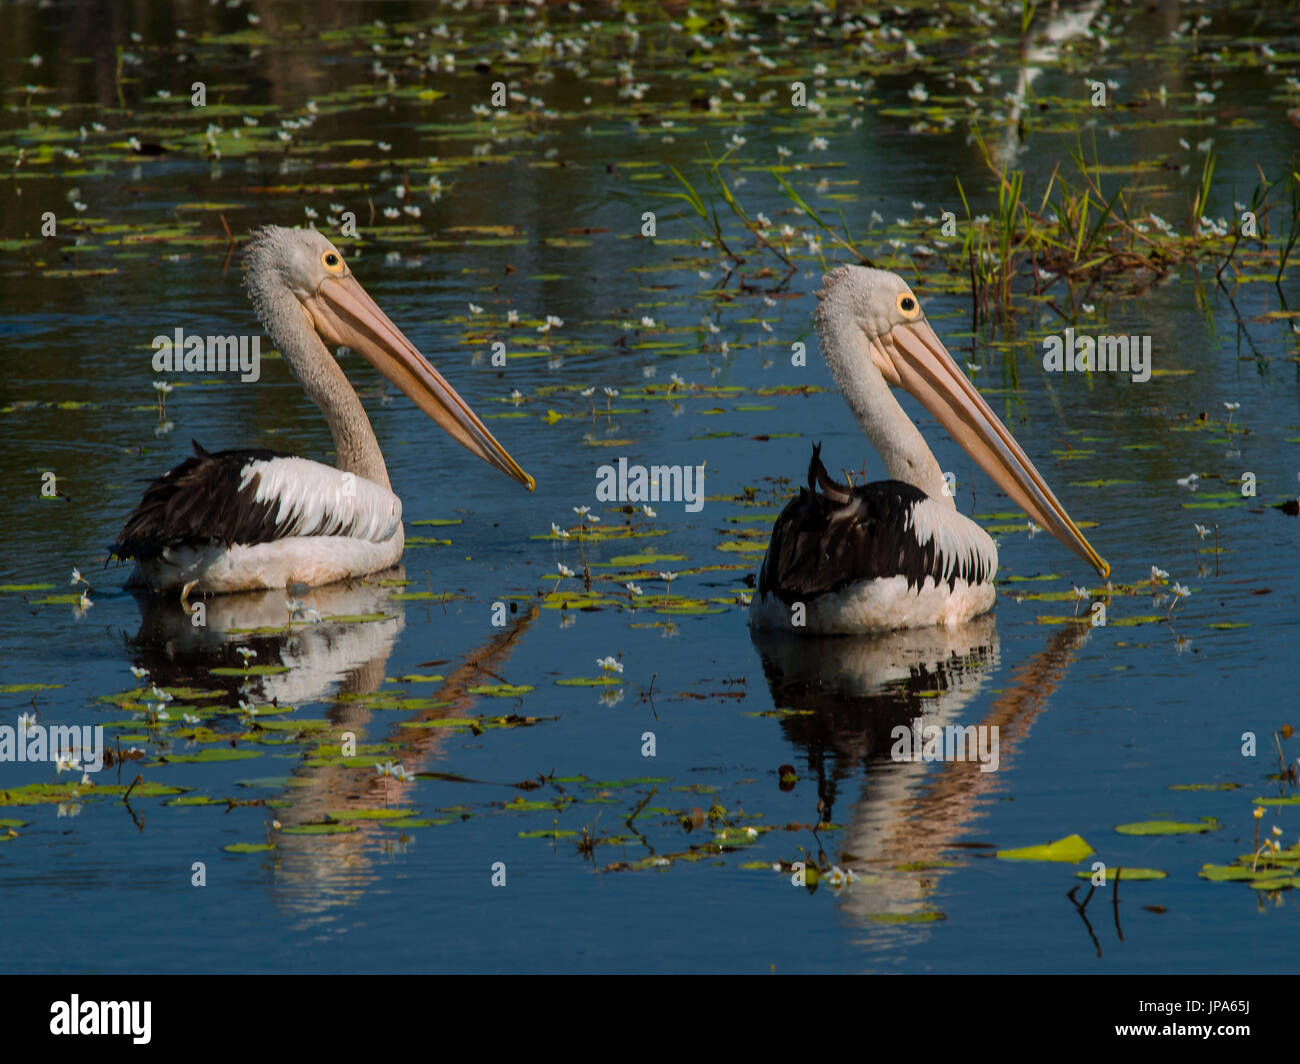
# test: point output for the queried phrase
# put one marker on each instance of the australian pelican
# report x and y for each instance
(895, 553)
(248, 519)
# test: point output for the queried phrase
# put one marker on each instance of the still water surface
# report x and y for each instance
(543, 217)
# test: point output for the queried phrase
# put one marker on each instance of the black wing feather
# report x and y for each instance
(200, 501)
(827, 540)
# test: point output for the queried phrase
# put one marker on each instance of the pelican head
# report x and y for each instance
(894, 344)
(296, 277)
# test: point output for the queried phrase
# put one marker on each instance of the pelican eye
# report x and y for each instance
(908, 306)
(332, 261)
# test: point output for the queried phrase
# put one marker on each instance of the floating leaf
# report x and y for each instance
(1226, 873)
(1071, 849)
(1168, 827)
(1126, 875)
(225, 753)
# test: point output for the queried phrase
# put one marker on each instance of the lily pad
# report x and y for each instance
(1125, 874)
(319, 829)
(1168, 827)
(205, 756)
(501, 690)
(1071, 849)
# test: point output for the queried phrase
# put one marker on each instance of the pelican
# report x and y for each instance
(244, 520)
(895, 553)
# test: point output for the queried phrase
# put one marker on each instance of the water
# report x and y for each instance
(1096, 724)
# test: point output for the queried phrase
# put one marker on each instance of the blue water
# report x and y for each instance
(1096, 724)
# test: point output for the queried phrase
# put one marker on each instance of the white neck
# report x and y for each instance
(322, 379)
(883, 421)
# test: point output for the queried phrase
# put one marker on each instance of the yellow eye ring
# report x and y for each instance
(908, 306)
(332, 261)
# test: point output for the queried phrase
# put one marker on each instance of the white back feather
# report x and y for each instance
(314, 499)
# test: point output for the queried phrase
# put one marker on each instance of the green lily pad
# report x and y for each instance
(55, 793)
(1126, 874)
(1274, 883)
(224, 753)
(1071, 849)
(252, 670)
(1226, 873)
(501, 690)
(1168, 827)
